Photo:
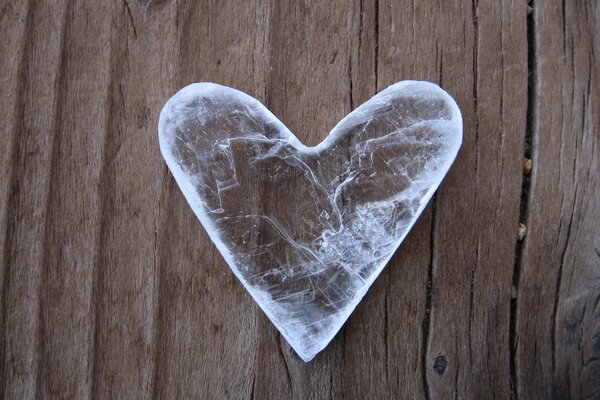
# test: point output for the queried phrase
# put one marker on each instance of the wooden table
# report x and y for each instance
(110, 287)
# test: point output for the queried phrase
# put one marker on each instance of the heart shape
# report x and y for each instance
(308, 229)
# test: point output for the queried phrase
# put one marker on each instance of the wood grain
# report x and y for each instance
(110, 287)
(558, 345)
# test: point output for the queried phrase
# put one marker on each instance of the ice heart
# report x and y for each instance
(308, 229)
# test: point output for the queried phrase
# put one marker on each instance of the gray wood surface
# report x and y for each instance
(110, 288)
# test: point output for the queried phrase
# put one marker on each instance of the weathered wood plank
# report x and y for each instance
(13, 31)
(207, 323)
(310, 89)
(558, 316)
(112, 289)
(462, 321)
(34, 143)
(73, 212)
(472, 276)
(127, 283)
(14, 22)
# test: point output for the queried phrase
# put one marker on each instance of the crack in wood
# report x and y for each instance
(526, 192)
(559, 282)
(376, 45)
(130, 18)
(104, 182)
(474, 11)
(426, 324)
(457, 370)
(252, 387)
(386, 326)
(350, 83)
(13, 193)
(360, 29)
(285, 363)
(61, 83)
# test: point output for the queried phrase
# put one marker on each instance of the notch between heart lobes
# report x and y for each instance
(308, 229)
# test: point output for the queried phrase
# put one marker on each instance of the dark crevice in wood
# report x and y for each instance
(457, 370)
(285, 363)
(590, 361)
(526, 191)
(589, 85)
(584, 115)
(573, 80)
(97, 285)
(130, 17)
(159, 328)
(252, 387)
(426, 324)
(156, 307)
(559, 280)
(474, 5)
(472, 300)
(361, 28)
(209, 8)
(502, 90)
(386, 328)
(160, 316)
(13, 192)
(106, 189)
(60, 89)
(564, 25)
(414, 32)
(474, 16)
(331, 384)
(376, 46)
(273, 16)
(342, 357)
(160, 311)
(441, 76)
(350, 83)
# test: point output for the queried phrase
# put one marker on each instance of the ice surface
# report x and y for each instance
(308, 229)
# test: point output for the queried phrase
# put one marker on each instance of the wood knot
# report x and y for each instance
(439, 365)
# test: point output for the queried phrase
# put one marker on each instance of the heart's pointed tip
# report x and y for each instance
(306, 350)
(306, 357)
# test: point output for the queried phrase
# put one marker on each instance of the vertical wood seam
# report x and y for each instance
(376, 45)
(474, 6)
(252, 387)
(130, 18)
(426, 323)
(502, 90)
(526, 192)
(60, 84)
(12, 191)
(168, 182)
(98, 270)
(159, 309)
(475, 89)
(285, 363)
